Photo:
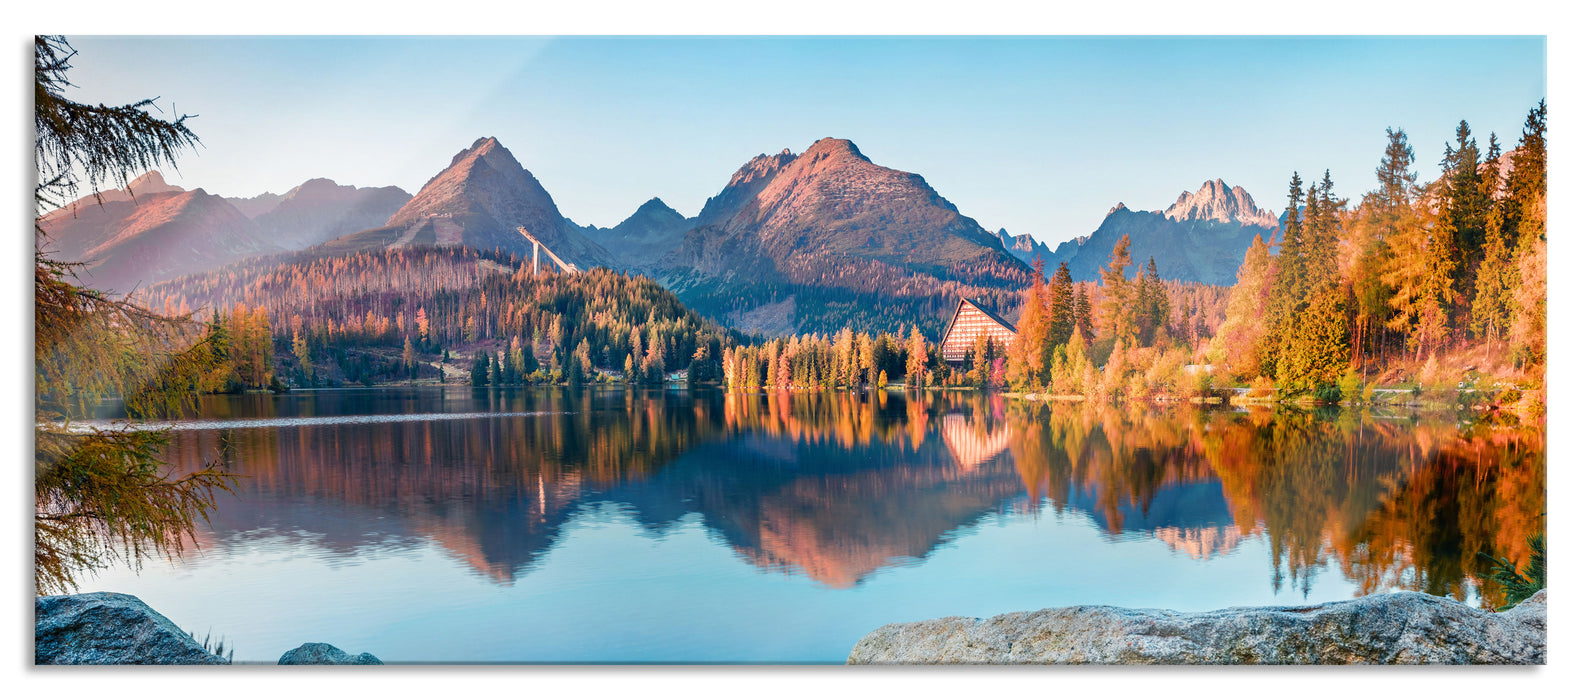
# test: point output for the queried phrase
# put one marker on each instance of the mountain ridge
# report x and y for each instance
(1201, 237)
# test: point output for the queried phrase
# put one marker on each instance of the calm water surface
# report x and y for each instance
(459, 525)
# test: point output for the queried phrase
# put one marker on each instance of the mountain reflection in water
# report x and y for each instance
(835, 487)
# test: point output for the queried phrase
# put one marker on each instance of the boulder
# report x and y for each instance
(1395, 628)
(109, 628)
(321, 654)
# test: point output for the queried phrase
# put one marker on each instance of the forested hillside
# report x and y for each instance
(1409, 275)
(387, 314)
(1433, 287)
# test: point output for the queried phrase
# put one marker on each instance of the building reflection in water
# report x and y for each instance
(838, 486)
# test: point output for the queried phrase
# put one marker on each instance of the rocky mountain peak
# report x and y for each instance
(655, 205)
(487, 148)
(149, 183)
(1216, 201)
(653, 212)
(834, 148)
(1118, 207)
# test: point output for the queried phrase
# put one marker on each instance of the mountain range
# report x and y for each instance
(803, 242)
(793, 243)
(152, 231)
(815, 241)
(1202, 237)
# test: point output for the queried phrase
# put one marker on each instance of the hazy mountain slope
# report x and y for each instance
(319, 210)
(252, 207)
(650, 232)
(90, 221)
(165, 236)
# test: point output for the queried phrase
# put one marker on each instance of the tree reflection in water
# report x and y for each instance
(837, 486)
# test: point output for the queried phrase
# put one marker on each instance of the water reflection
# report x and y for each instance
(835, 487)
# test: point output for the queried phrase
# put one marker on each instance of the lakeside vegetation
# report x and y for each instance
(1433, 288)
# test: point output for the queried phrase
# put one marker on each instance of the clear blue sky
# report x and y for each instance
(1038, 135)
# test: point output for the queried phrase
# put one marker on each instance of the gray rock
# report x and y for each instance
(321, 654)
(1396, 628)
(109, 628)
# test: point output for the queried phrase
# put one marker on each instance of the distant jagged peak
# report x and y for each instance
(149, 183)
(1118, 207)
(1216, 201)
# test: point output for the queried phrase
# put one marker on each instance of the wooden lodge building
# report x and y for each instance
(969, 322)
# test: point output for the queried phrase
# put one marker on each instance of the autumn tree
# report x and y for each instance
(102, 496)
(1029, 350)
(916, 358)
(1118, 309)
(1236, 344)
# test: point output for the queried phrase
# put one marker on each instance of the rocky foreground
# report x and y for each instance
(120, 629)
(1395, 628)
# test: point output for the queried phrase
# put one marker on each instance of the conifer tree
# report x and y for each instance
(1153, 305)
(299, 348)
(408, 358)
(1082, 309)
(1062, 305)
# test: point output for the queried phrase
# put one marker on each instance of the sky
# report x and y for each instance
(1038, 135)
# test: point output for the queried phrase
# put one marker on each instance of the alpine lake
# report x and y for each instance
(614, 525)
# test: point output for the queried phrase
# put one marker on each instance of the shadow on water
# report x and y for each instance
(838, 486)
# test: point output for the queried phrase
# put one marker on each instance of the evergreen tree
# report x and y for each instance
(1458, 228)
(1083, 310)
(1153, 305)
(1529, 179)
(1397, 181)
(1291, 264)
(299, 348)
(1491, 292)
(480, 369)
(1062, 305)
